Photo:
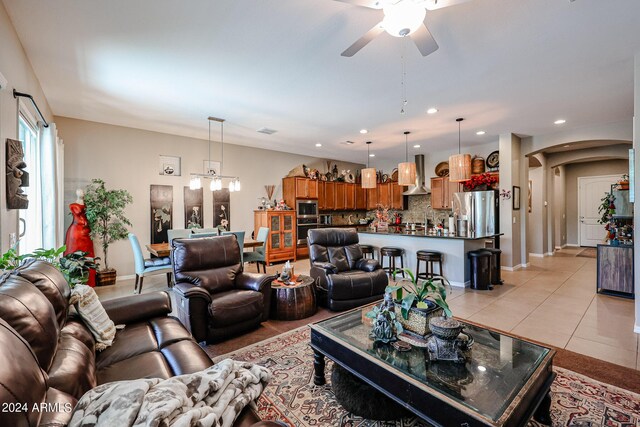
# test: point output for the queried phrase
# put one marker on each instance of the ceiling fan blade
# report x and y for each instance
(364, 40)
(373, 4)
(424, 40)
(439, 4)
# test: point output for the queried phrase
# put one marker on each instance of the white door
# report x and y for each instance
(591, 190)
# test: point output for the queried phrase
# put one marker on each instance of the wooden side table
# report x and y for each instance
(293, 302)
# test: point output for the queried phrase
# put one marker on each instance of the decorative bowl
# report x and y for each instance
(445, 328)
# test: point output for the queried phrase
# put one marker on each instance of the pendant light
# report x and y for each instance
(369, 174)
(195, 183)
(407, 170)
(459, 164)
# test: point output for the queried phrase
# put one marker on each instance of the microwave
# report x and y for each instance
(307, 208)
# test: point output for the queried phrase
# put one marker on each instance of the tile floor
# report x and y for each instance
(552, 301)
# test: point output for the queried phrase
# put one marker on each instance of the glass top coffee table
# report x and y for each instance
(505, 381)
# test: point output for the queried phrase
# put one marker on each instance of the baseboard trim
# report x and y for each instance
(549, 254)
(571, 245)
(460, 284)
(127, 277)
(514, 268)
(536, 255)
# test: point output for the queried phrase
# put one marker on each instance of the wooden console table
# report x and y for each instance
(615, 270)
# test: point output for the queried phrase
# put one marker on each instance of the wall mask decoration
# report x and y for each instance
(221, 209)
(17, 176)
(161, 212)
(193, 208)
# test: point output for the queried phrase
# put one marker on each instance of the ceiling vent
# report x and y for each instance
(267, 131)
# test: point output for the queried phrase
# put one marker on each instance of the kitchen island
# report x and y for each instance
(455, 263)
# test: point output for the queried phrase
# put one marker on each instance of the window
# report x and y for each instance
(30, 227)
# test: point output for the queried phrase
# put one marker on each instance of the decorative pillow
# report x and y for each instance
(93, 315)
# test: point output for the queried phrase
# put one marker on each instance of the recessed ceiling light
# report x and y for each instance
(372, 155)
(363, 131)
(480, 132)
(416, 146)
(482, 368)
(560, 122)
(432, 110)
(566, 146)
(318, 145)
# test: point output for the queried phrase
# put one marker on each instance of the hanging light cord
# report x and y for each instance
(406, 147)
(368, 156)
(221, 146)
(459, 150)
(403, 77)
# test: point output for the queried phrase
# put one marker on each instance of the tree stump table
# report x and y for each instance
(295, 301)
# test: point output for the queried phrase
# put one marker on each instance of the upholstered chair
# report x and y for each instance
(258, 253)
(216, 298)
(344, 279)
(147, 267)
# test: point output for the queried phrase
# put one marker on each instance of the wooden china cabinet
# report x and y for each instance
(281, 242)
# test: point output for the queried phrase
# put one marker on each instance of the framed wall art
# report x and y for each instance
(516, 198)
(221, 209)
(193, 208)
(210, 167)
(161, 212)
(170, 165)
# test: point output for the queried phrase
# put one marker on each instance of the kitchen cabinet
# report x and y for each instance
(442, 191)
(361, 197)
(339, 203)
(398, 200)
(372, 198)
(281, 241)
(350, 196)
(330, 196)
(322, 199)
(296, 187)
(384, 194)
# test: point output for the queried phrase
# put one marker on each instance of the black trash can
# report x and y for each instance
(495, 266)
(480, 266)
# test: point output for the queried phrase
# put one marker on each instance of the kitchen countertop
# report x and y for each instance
(400, 232)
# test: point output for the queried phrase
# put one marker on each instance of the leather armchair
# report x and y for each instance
(216, 298)
(344, 279)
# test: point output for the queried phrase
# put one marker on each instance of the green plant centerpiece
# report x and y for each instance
(107, 220)
(74, 266)
(419, 300)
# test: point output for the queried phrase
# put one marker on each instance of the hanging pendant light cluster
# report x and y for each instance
(216, 177)
(407, 170)
(369, 174)
(459, 164)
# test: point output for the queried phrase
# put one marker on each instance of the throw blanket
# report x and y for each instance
(213, 397)
(93, 315)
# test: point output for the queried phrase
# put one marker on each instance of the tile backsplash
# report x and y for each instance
(418, 206)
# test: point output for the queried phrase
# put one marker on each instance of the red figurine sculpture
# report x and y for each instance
(78, 236)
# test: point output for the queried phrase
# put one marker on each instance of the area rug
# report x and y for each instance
(588, 253)
(292, 398)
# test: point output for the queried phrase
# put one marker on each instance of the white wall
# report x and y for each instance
(127, 159)
(560, 207)
(16, 68)
(573, 172)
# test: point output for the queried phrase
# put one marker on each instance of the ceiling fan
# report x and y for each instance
(402, 18)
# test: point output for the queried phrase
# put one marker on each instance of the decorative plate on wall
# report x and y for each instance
(493, 160)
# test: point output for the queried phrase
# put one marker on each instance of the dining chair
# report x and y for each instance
(240, 236)
(147, 267)
(201, 235)
(178, 233)
(206, 230)
(258, 253)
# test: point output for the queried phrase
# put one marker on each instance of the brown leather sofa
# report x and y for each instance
(48, 358)
(216, 298)
(344, 279)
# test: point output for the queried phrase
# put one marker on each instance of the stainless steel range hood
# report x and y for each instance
(420, 188)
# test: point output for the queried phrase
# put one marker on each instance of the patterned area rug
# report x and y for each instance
(588, 253)
(292, 397)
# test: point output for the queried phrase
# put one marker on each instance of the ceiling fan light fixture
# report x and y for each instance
(403, 18)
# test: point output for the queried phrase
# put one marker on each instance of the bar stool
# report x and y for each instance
(392, 253)
(495, 266)
(429, 258)
(368, 250)
(480, 266)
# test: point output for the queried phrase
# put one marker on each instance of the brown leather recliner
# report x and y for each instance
(216, 298)
(48, 358)
(344, 279)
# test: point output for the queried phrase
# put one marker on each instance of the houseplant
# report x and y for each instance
(480, 182)
(623, 182)
(418, 300)
(108, 223)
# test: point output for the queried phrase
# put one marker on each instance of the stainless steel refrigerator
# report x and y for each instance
(475, 213)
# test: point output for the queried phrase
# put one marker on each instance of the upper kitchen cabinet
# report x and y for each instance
(361, 197)
(340, 202)
(350, 197)
(296, 187)
(398, 200)
(329, 196)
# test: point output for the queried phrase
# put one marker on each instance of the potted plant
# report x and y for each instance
(480, 182)
(418, 300)
(623, 182)
(105, 213)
